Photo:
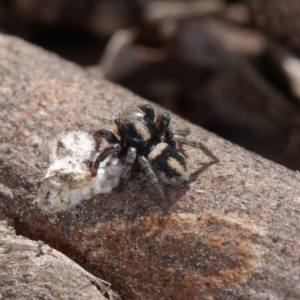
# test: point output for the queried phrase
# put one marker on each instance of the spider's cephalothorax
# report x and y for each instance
(136, 129)
(152, 143)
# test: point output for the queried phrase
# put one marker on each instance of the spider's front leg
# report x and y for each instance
(162, 123)
(105, 134)
(126, 171)
(113, 149)
(177, 138)
(148, 110)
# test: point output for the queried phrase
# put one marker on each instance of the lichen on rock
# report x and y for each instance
(68, 179)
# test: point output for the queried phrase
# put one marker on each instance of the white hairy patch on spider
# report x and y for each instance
(143, 131)
(141, 115)
(157, 150)
(68, 180)
(175, 165)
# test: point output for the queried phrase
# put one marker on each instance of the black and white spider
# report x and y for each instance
(152, 143)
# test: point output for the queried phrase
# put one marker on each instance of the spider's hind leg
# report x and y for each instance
(172, 139)
(184, 132)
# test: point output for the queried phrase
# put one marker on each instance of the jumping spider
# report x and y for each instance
(152, 143)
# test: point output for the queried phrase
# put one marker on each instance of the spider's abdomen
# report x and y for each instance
(169, 164)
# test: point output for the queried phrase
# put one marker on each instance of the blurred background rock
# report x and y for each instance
(230, 66)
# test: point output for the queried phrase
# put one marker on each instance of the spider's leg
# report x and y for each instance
(148, 110)
(150, 173)
(105, 134)
(162, 123)
(169, 138)
(184, 132)
(115, 148)
(126, 171)
(173, 138)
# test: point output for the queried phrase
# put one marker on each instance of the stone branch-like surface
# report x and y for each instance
(232, 233)
(33, 270)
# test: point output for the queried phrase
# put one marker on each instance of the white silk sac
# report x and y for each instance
(68, 180)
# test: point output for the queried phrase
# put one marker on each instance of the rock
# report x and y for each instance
(33, 270)
(232, 233)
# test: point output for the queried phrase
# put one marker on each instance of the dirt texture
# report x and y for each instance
(232, 233)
